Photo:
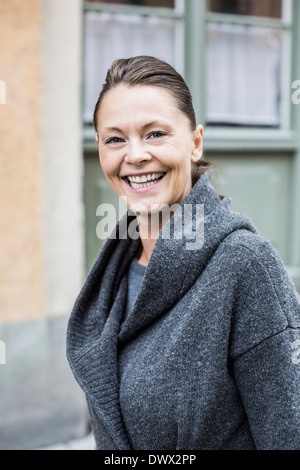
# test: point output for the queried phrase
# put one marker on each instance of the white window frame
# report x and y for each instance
(285, 24)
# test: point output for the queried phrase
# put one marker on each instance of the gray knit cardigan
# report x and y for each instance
(209, 357)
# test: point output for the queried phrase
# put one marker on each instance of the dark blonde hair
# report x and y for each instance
(150, 71)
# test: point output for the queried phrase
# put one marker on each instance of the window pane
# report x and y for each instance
(243, 75)
(264, 8)
(145, 3)
(110, 36)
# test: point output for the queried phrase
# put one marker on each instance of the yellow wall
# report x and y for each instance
(21, 259)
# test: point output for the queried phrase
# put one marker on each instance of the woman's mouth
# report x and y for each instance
(144, 181)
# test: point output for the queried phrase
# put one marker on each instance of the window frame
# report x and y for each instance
(164, 12)
(177, 13)
(285, 24)
(243, 138)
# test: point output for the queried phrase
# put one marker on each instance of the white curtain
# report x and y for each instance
(243, 75)
(110, 36)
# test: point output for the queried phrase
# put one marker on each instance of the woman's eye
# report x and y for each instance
(113, 140)
(157, 134)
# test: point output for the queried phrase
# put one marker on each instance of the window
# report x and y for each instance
(263, 8)
(148, 3)
(113, 32)
(247, 63)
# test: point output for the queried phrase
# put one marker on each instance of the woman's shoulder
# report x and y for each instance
(257, 264)
(262, 275)
(252, 246)
(266, 301)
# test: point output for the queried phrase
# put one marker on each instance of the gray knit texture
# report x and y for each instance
(135, 276)
(206, 358)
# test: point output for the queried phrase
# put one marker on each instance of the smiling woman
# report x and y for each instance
(155, 140)
(174, 347)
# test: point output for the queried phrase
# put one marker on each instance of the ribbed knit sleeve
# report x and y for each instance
(268, 380)
(265, 349)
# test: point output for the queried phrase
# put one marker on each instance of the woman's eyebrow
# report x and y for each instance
(144, 127)
(112, 129)
(153, 123)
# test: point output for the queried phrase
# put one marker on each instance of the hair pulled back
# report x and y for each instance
(150, 71)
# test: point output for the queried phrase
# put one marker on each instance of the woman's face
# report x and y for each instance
(146, 147)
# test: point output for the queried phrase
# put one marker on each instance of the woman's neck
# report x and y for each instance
(145, 253)
(150, 227)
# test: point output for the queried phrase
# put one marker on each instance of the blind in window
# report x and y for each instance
(243, 75)
(110, 36)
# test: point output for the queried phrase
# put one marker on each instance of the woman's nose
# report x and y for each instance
(136, 154)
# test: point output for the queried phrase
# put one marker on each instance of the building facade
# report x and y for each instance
(241, 60)
(41, 224)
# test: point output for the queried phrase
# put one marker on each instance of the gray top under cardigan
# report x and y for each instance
(206, 359)
(135, 276)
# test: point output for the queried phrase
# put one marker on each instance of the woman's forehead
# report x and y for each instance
(132, 101)
(122, 94)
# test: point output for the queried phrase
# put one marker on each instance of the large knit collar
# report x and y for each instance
(178, 261)
(95, 329)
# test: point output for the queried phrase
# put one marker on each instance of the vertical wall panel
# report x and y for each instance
(259, 186)
(21, 236)
(62, 153)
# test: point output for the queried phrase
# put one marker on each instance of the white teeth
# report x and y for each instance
(144, 178)
(142, 185)
(144, 181)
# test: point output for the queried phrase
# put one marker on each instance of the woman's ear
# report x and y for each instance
(197, 144)
(97, 138)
